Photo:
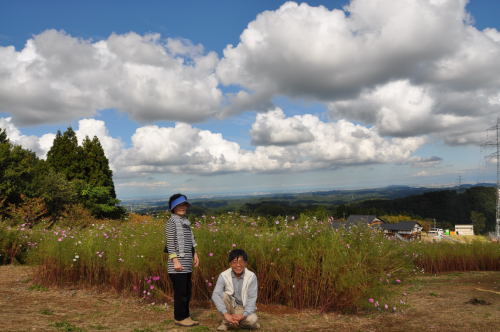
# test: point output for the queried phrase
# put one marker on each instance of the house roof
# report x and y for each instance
(356, 219)
(401, 226)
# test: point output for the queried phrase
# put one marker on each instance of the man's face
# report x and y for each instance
(238, 265)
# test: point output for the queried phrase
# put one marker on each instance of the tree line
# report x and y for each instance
(475, 205)
(72, 177)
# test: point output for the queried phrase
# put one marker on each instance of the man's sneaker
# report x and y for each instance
(222, 327)
(185, 322)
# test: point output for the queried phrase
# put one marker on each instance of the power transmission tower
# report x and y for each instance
(459, 184)
(496, 155)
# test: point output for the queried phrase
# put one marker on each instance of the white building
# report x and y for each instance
(464, 229)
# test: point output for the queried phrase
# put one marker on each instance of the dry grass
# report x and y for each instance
(435, 303)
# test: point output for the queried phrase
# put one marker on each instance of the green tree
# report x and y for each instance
(56, 191)
(100, 202)
(65, 156)
(96, 166)
(18, 168)
(3, 136)
(479, 221)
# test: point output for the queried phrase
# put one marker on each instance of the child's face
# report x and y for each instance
(181, 209)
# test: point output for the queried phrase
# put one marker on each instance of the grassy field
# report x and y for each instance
(459, 301)
(300, 263)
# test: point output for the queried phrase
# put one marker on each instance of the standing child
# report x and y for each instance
(180, 245)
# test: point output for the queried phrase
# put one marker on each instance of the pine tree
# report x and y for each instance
(65, 156)
(96, 165)
(3, 136)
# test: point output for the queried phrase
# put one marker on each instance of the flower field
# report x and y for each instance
(301, 263)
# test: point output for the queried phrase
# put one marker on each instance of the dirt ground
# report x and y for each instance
(447, 302)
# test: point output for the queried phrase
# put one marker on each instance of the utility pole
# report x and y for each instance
(496, 155)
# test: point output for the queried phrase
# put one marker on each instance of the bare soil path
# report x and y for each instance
(448, 302)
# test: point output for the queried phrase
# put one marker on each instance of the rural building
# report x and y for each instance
(359, 220)
(409, 230)
(464, 229)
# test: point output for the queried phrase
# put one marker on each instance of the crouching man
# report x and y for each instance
(235, 293)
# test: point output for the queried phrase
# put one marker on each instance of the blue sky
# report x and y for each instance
(231, 97)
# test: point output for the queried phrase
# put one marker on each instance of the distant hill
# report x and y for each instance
(339, 203)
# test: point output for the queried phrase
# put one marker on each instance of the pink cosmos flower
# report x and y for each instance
(386, 307)
(371, 300)
(151, 287)
(209, 284)
(60, 239)
(233, 245)
(398, 281)
(210, 254)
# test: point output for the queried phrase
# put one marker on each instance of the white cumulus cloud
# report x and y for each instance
(273, 128)
(57, 77)
(409, 67)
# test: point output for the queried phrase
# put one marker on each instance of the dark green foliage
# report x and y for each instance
(71, 174)
(65, 156)
(479, 221)
(96, 166)
(18, 168)
(56, 191)
(3, 136)
(99, 201)
(87, 168)
(447, 206)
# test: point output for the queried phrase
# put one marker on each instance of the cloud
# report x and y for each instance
(283, 146)
(300, 50)
(409, 67)
(273, 129)
(144, 184)
(427, 162)
(57, 77)
(39, 145)
(112, 147)
(330, 144)
(399, 109)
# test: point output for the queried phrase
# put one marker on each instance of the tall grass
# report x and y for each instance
(15, 242)
(301, 263)
(447, 256)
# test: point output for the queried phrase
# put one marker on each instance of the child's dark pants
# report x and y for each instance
(182, 294)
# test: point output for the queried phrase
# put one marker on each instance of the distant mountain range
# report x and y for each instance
(305, 198)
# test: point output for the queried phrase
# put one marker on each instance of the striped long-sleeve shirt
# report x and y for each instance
(172, 239)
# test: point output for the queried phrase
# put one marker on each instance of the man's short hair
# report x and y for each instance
(235, 253)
